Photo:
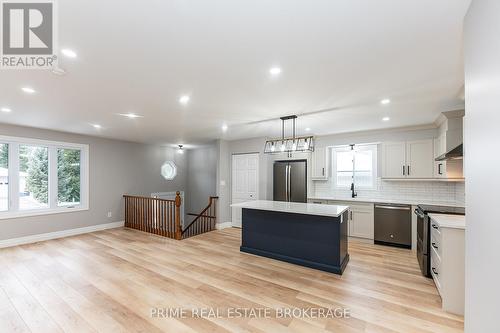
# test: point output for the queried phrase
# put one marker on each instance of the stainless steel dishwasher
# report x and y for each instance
(393, 225)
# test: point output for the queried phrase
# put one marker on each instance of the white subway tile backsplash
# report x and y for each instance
(452, 193)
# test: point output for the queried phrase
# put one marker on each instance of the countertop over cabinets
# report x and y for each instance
(295, 207)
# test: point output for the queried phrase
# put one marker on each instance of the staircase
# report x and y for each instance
(203, 222)
(163, 217)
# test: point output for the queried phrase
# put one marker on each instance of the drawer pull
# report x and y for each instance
(434, 245)
(435, 226)
(393, 207)
(434, 271)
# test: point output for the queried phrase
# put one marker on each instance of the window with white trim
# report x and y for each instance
(356, 165)
(42, 177)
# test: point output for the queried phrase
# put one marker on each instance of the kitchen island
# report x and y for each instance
(311, 235)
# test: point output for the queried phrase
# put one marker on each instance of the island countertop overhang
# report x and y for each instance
(294, 207)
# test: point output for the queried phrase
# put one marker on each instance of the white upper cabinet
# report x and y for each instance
(394, 160)
(420, 159)
(411, 159)
(319, 163)
(439, 149)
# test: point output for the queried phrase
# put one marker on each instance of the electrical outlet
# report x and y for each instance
(110, 214)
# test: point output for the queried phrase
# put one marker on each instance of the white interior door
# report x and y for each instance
(245, 182)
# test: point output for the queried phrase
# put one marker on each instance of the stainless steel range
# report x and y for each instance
(424, 232)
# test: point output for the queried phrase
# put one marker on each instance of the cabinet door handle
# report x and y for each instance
(434, 245)
(404, 170)
(393, 207)
(434, 271)
(408, 170)
(323, 171)
(434, 226)
(440, 172)
(351, 215)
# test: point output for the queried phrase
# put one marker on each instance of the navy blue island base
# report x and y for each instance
(313, 241)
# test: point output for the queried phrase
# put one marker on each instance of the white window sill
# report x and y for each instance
(61, 210)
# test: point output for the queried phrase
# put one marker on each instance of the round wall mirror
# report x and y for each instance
(169, 170)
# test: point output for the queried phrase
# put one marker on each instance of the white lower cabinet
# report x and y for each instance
(318, 201)
(448, 265)
(361, 219)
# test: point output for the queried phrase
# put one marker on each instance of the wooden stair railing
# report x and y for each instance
(163, 217)
(204, 222)
(156, 216)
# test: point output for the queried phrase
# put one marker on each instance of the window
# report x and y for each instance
(33, 177)
(358, 166)
(4, 177)
(68, 177)
(42, 177)
(169, 170)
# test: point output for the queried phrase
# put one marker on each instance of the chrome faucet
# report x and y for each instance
(353, 194)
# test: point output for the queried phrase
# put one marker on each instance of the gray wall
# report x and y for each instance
(482, 118)
(223, 183)
(201, 179)
(116, 168)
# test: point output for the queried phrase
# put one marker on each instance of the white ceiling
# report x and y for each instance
(342, 56)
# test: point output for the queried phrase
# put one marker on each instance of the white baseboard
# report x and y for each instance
(360, 240)
(58, 234)
(220, 226)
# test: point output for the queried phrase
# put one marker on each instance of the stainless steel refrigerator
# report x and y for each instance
(290, 181)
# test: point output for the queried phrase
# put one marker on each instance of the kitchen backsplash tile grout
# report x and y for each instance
(452, 193)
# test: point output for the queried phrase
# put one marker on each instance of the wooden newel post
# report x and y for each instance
(178, 227)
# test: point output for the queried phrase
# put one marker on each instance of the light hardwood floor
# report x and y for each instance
(108, 281)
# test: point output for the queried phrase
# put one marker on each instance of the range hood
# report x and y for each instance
(456, 153)
(450, 140)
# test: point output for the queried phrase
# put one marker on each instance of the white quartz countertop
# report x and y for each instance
(294, 207)
(449, 221)
(381, 200)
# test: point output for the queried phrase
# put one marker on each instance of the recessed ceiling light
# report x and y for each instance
(386, 119)
(69, 53)
(97, 126)
(385, 101)
(28, 90)
(7, 110)
(130, 115)
(274, 71)
(224, 127)
(308, 129)
(184, 99)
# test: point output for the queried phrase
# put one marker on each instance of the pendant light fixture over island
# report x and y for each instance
(289, 144)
